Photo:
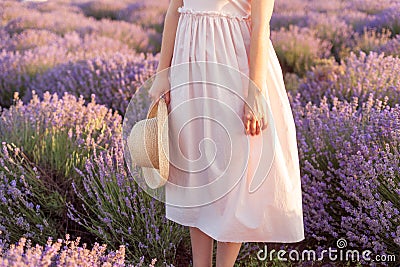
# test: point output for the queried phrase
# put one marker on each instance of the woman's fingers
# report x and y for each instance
(252, 126)
(258, 127)
(247, 121)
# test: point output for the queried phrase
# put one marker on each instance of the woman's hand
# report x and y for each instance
(255, 111)
(161, 86)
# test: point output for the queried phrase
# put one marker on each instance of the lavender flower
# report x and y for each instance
(357, 76)
(63, 253)
(113, 79)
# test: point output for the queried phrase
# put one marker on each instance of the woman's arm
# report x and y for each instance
(168, 36)
(161, 82)
(255, 108)
(261, 12)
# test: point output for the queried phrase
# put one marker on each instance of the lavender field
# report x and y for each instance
(68, 70)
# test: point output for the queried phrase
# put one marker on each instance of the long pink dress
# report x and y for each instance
(232, 186)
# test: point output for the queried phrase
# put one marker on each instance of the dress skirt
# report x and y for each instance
(232, 186)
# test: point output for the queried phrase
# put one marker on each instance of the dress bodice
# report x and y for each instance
(232, 7)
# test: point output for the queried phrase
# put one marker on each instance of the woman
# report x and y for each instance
(261, 147)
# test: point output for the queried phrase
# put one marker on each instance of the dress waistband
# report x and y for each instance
(185, 10)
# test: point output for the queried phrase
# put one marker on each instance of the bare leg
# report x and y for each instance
(202, 248)
(227, 253)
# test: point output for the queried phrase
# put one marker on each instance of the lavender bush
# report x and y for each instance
(51, 6)
(298, 49)
(285, 19)
(43, 142)
(63, 253)
(371, 40)
(133, 35)
(28, 39)
(148, 14)
(392, 47)
(32, 69)
(18, 18)
(357, 76)
(4, 38)
(355, 19)
(370, 7)
(387, 19)
(119, 212)
(289, 6)
(350, 171)
(102, 8)
(78, 45)
(343, 24)
(25, 202)
(49, 169)
(113, 78)
(36, 42)
(340, 36)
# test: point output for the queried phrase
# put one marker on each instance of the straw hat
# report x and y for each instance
(149, 147)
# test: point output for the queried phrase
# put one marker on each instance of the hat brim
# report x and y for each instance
(158, 177)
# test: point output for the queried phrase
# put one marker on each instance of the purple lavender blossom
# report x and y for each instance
(349, 162)
(357, 76)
